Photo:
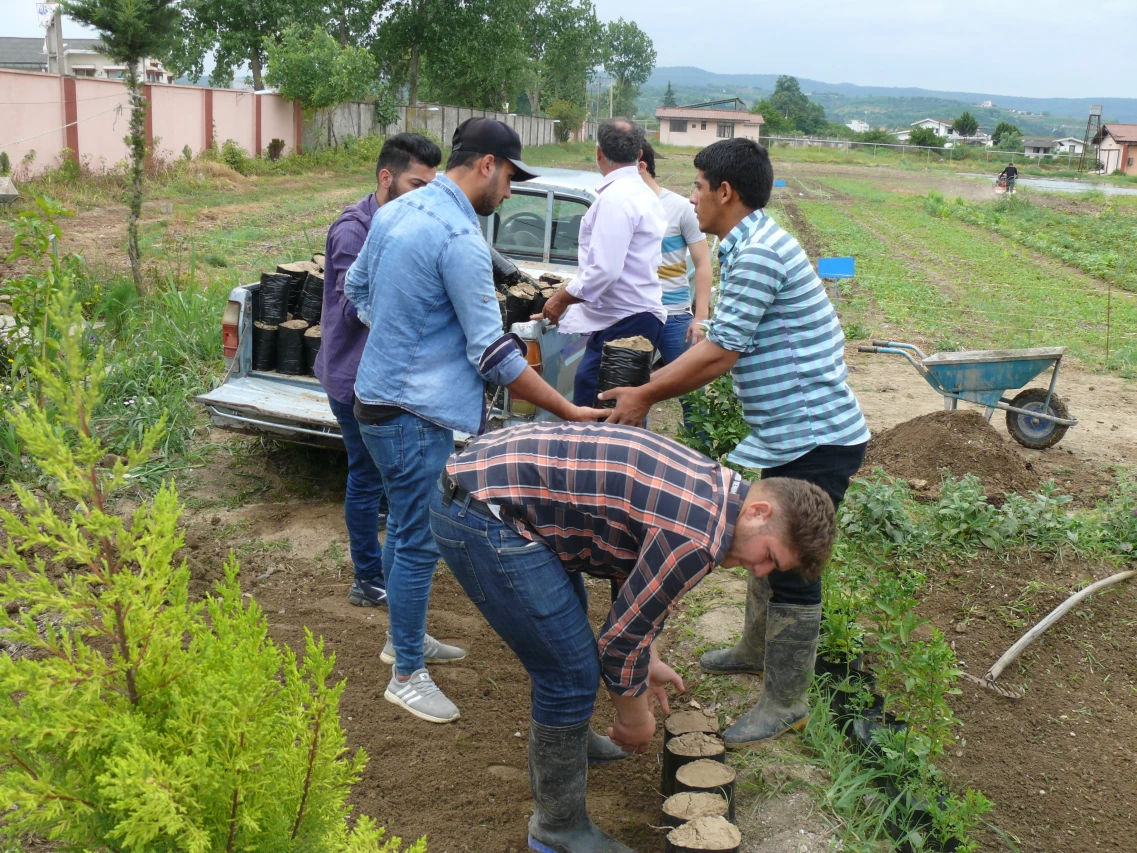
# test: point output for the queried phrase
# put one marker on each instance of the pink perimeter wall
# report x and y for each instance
(46, 114)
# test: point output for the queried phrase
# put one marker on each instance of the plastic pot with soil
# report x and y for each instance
(709, 834)
(264, 345)
(273, 303)
(686, 806)
(707, 776)
(290, 347)
(312, 298)
(684, 749)
(685, 722)
(625, 362)
(311, 348)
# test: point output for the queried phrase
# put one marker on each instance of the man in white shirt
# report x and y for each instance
(682, 329)
(617, 292)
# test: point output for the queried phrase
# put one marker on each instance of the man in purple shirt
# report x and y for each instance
(407, 162)
(617, 292)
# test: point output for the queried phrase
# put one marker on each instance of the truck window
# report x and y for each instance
(567, 215)
(519, 225)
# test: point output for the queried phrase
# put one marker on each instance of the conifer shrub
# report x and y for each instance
(133, 718)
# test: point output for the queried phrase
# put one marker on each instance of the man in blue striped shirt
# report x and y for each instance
(776, 331)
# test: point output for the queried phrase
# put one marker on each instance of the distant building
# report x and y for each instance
(699, 125)
(1038, 144)
(987, 104)
(941, 126)
(1117, 148)
(81, 58)
(1069, 145)
(858, 126)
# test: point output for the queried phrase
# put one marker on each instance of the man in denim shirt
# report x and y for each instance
(407, 161)
(424, 284)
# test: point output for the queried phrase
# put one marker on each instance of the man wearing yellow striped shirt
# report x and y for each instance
(682, 236)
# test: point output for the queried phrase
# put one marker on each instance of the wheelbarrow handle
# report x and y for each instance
(882, 343)
(874, 348)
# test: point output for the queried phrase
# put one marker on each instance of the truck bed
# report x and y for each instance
(294, 407)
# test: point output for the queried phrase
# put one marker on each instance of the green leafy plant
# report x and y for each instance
(5, 164)
(934, 205)
(187, 152)
(1119, 519)
(35, 233)
(234, 156)
(569, 116)
(878, 509)
(275, 149)
(715, 424)
(142, 720)
(963, 517)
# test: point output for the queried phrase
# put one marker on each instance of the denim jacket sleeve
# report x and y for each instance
(357, 284)
(468, 279)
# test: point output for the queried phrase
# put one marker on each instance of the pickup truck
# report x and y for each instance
(537, 228)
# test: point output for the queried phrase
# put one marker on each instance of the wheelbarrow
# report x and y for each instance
(1036, 417)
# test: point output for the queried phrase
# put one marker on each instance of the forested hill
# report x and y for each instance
(889, 106)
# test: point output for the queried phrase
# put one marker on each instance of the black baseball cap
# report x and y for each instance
(490, 136)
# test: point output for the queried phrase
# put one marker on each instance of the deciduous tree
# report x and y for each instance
(563, 41)
(773, 122)
(1004, 127)
(311, 68)
(570, 117)
(236, 32)
(966, 124)
(630, 59)
(131, 30)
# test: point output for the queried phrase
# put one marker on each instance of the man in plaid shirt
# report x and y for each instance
(521, 513)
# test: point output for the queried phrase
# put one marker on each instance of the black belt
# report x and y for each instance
(453, 493)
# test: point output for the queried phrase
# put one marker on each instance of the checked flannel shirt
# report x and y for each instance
(615, 502)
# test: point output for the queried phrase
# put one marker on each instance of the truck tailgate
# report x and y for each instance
(293, 408)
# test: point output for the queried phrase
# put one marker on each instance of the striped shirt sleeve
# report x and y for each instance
(756, 277)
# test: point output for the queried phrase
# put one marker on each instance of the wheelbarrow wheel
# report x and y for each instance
(1032, 432)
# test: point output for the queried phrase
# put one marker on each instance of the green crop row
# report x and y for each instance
(947, 280)
(1101, 244)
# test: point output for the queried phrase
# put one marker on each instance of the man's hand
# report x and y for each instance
(556, 306)
(631, 405)
(659, 675)
(582, 414)
(635, 724)
(696, 331)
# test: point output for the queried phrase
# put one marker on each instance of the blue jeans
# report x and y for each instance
(672, 344)
(538, 608)
(588, 371)
(411, 453)
(673, 339)
(364, 500)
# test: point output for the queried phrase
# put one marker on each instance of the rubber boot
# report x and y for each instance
(558, 775)
(601, 750)
(747, 656)
(791, 651)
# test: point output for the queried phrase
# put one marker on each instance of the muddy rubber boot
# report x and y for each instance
(558, 775)
(601, 750)
(747, 656)
(791, 651)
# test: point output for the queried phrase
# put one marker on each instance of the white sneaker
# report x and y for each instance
(432, 651)
(422, 697)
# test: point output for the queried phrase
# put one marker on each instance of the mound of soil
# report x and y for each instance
(961, 441)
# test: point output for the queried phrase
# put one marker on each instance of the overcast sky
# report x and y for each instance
(1040, 48)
